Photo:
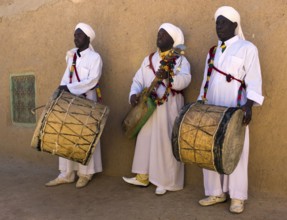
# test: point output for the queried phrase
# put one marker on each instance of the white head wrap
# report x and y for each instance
(174, 32)
(88, 30)
(232, 15)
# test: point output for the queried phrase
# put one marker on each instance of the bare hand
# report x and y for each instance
(161, 74)
(134, 100)
(65, 88)
(200, 101)
(247, 108)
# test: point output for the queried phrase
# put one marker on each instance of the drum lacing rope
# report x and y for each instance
(79, 135)
(33, 110)
(62, 124)
(60, 113)
(85, 124)
(98, 128)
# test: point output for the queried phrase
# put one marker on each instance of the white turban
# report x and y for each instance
(88, 30)
(174, 32)
(232, 15)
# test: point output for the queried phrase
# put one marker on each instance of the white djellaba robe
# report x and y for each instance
(89, 67)
(153, 152)
(240, 59)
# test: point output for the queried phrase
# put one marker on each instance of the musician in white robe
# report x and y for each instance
(81, 81)
(238, 57)
(153, 159)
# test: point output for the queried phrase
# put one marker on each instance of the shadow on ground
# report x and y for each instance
(24, 196)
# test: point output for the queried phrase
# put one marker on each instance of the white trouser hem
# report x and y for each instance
(217, 192)
(88, 176)
(67, 176)
(238, 195)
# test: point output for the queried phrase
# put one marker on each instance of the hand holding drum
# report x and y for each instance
(134, 100)
(247, 108)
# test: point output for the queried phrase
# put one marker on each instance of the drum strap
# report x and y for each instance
(229, 77)
(173, 91)
(74, 69)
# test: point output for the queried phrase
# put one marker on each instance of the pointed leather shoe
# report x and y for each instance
(58, 181)
(134, 181)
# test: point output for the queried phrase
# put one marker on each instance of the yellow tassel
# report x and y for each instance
(99, 94)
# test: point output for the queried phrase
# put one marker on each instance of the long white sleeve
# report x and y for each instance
(89, 68)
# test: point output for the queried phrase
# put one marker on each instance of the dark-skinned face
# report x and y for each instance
(164, 41)
(225, 28)
(81, 40)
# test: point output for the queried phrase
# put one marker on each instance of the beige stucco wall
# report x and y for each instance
(36, 34)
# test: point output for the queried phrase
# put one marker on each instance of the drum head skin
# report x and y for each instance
(176, 130)
(229, 141)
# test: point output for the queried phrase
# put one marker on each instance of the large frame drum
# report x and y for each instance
(70, 127)
(210, 136)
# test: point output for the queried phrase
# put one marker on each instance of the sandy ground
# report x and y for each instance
(24, 196)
